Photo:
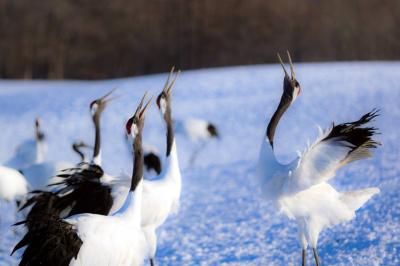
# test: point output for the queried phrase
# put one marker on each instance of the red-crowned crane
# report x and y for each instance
(300, 189)
(160, 196)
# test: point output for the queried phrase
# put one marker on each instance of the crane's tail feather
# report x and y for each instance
(356, 199)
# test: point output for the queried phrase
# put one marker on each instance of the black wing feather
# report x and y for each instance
(49, 240)
(354, 135)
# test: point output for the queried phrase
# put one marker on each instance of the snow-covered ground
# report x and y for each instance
(222, 219)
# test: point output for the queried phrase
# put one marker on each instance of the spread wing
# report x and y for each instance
(49, 241)
(81, 191)
(337, 146)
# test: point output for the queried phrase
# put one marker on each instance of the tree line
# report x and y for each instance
(83, 39)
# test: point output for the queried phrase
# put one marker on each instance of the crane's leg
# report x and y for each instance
(316, 256)
(303, 257)
(151, 238)
(196, 152)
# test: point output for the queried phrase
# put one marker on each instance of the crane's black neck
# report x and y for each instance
(170, 129)
(138, 161)
(79, 152)
(39, 135)
(284, 104)
(97, 140)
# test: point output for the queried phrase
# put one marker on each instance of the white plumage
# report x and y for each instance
(198, 131)
(299, 189)
(160, 196)
(13, 185)
(27, 153)
(112, 240)
(195, 129)
(30, 151)
(311, 201)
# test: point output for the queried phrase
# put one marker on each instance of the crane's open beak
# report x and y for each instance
(139, 110)
(292, 76)
(106, 98)
(169, 85)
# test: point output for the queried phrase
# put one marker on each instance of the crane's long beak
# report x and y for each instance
(106, 98)
(169, 85)
(291, 66)
(283, 67)
(145, 107)
(292, 73)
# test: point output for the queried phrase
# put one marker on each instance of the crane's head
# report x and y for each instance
(80, 144)
(134, 125)
(291, 87)
(212, 130)
(39, 135)
(98, 105)
(164, 98)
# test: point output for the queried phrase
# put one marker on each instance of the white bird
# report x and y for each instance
(30, 151)
(13, 186)
(160, 196)
(39, 173)
(198, 131)
(300, 189)
(92, 239)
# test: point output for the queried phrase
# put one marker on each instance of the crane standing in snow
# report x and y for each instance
(199, 132)
(30, 151)
(160, 196)
(93, 239)
(40, 173)
(300, 189)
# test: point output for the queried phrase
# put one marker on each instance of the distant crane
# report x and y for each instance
(198, 131)
(39, 173)
(300, 189)
(76, 146)
(30, 151)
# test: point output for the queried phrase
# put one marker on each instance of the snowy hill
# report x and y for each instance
(222, 220)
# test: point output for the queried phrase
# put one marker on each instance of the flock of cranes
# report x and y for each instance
(80, 215)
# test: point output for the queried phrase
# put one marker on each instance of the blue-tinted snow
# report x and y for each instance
(222, 220)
